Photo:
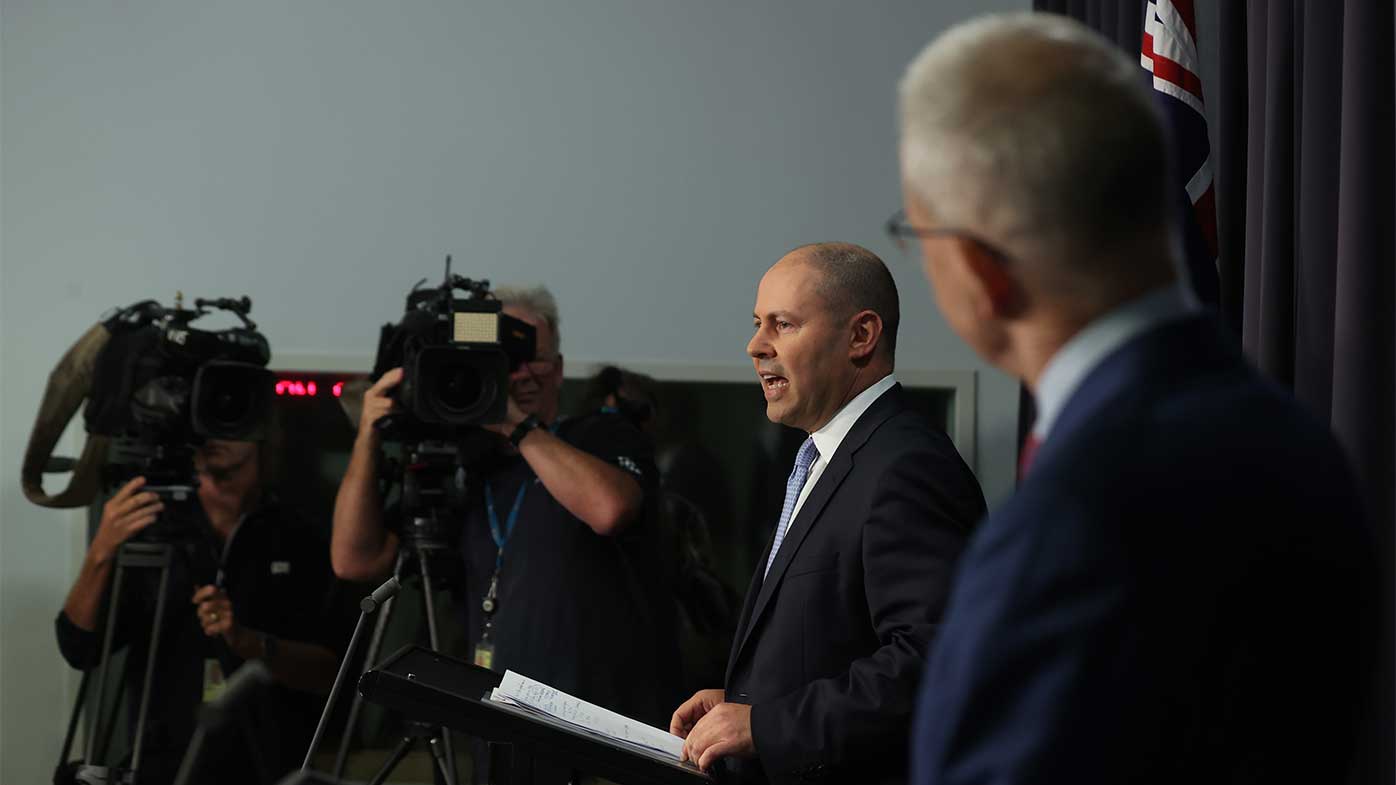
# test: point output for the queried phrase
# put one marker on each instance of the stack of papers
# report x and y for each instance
(539, 698)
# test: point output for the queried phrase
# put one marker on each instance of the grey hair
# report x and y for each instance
(1033, 129)
(534, 298)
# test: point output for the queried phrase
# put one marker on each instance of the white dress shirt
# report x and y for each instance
(828, 438)
(1089, 347)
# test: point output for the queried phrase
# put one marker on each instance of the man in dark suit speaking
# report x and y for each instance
(1178, 592)
(844, 603)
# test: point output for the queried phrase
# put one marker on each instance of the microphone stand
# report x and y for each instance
(367, 606)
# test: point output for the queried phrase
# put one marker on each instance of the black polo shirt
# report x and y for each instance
(587, 614)
(276, 571)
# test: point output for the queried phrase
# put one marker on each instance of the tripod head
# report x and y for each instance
(434, 475)
(434, 494)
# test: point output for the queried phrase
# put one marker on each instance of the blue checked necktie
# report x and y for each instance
(806, 458)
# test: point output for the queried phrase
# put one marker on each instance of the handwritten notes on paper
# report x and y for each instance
(537, 696)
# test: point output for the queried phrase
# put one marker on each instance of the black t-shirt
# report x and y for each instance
(277, 574)
(584, 613)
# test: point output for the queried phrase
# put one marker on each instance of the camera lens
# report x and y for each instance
(459, 387)
(230, 406)
(455, 385)
(231, 400)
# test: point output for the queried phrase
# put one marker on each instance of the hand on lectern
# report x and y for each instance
(712, 729)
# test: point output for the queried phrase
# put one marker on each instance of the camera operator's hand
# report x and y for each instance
(378, 403)
(215, 613)
(123, 515)
(512, 418)
(361, 548)
(300, 665)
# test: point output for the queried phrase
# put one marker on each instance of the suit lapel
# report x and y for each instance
(840, 464)
(799, 528)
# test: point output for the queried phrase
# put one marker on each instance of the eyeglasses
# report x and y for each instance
(540, 365)
(898, 229)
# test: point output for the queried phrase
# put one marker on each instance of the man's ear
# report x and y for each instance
(558, 369)
(865, 333)
(994, 292)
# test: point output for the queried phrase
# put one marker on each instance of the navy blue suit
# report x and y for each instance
(833, 640)
(1177, 593)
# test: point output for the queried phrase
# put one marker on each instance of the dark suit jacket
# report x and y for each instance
(831, 644)
(1176, 594)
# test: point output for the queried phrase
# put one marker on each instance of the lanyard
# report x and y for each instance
(501, 537)
(220, 578)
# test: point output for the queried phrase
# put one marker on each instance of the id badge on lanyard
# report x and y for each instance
(484, 650)
(215, 684)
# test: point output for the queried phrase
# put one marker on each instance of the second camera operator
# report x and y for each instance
(562, 583)
(270, 600)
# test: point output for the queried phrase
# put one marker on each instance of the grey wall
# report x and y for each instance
(646, 158)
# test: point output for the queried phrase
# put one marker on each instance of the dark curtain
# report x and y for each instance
(1305, 166)
(1122, 21)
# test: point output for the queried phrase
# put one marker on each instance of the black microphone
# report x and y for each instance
(222, 710)
(367, 606)
(379, 596)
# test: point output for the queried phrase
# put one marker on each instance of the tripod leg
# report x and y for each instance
(370, 657)
(428, 596)
(147, 683)
(73, 721)
(438, 755)
(399, 753)
(113, 712)
(104, 663)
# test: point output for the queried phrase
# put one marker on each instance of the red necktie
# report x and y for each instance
(1026, 454)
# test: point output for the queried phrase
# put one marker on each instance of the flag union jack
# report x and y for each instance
(1169, 53)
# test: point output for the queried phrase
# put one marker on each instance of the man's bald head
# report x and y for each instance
(853, 279)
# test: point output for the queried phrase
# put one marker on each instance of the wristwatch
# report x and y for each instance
(529, 424)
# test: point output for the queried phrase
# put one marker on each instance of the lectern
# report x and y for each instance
(431, 687)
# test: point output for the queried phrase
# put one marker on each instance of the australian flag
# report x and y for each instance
(1170, 54)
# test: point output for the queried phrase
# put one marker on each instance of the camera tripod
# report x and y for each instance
(420, 542)
(151, 553)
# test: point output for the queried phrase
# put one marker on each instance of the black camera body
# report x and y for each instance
(457, 349)
(161, 387)
(456, 354)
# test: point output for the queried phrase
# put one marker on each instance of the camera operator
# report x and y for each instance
(556, 521)
(249, 581)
